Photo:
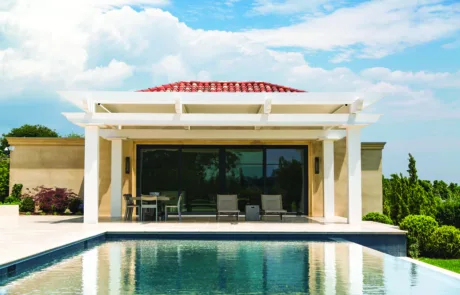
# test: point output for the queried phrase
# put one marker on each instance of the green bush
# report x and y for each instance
(449, 213)
(4, 176)
(11, 203)
(16, 191)
(419, 229)
(11, 199)
(74, 205)
(444, 243)
(377, 217)
(27, 205)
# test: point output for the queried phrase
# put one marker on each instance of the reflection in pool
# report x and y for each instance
(230, 267)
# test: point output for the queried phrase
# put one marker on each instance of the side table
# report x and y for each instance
(252, 213)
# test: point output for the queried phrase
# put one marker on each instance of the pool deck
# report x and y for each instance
(28, 236)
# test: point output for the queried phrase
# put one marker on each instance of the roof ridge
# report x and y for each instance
(221, 86)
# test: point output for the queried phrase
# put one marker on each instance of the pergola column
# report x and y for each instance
(116, 185)
(91, 182)
(354, 175)
(328, 181)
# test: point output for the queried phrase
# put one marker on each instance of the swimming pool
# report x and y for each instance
(230, 267)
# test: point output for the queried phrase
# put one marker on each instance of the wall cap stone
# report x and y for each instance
(372, 145)
(57, 141)
(40, 141)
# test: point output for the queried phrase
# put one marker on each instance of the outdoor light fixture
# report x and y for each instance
(9, 148)
(316, 165)
(127, 164)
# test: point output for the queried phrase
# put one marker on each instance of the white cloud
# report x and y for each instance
(93, 48)
(290, 6)
(372, 29)
(100, 77)
(50, 41)
(421, 78)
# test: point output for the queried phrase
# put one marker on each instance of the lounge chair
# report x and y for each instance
(273, 205)
(227, 205)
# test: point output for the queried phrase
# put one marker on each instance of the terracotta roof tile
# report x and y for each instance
(214, 86)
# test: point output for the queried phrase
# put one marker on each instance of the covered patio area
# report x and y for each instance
(199, 140)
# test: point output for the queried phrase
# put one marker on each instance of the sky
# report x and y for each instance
(410, 50)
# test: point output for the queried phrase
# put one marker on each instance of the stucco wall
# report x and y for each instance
(60, 162)
(371, 163)
(48, 162)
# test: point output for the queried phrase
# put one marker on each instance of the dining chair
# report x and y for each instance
(130, 205)
(146, 205)
(178, 207)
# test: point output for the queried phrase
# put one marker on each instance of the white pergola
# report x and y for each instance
(221, 116)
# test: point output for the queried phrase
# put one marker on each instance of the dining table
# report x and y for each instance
(149, 198)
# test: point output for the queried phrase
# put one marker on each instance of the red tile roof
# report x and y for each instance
(214, 86)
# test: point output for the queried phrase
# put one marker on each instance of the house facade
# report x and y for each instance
(200, 139)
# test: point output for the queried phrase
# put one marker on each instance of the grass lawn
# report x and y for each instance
(449, 264)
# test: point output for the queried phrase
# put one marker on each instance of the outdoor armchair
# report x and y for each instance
(227, 205)
(273, 205)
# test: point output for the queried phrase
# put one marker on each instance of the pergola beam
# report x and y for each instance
(224, 134)
(80, 98)
(216, 120)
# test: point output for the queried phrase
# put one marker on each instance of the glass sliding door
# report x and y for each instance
(202, 172)
(200, 178)
(244, 175)
(159, 170)
(285, 176)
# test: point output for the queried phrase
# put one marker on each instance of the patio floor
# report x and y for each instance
(27, 236)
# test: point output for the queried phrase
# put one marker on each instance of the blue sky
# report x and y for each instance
(408, 49)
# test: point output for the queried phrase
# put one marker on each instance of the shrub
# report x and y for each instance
(4, 176)
(16, 191)
(377, 217)
(10, 203)
(74, 205)
(444, 242)
(27, 205)
(419, 229)
(54, 199)
(449, 213)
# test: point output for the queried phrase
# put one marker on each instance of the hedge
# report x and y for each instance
(420, 228)
(377, 217)
(444, 243)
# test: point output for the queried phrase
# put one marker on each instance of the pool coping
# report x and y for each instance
(433, 267)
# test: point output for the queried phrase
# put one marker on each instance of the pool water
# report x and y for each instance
(231, 267)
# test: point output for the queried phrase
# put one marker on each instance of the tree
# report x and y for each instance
(4, 177)
(74, 135)
(403, 196)
(441, 189)
(28, 131)
(413, 177)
